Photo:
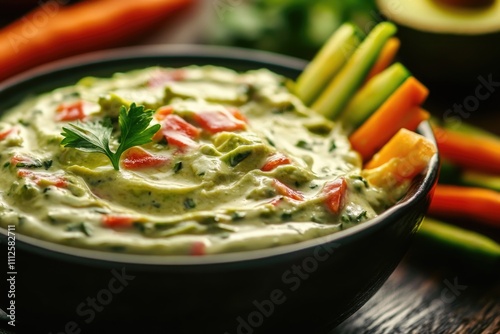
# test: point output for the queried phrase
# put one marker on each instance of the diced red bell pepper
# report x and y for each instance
(237, 114)
(117, 221)
(286, 191)
(5, 133)
(161, 77)
(71, 111)
(43, 179)
(274, 161)
(198, 248)
(218, 121)
(163, 111)
(138, 158)
(178, 132)
(334, 195)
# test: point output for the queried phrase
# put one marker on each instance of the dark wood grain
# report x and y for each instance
(420, 299)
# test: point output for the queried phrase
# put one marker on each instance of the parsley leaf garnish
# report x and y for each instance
(95, 136)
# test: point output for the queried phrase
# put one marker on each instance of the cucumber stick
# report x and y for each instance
(459, 239)
(372, 95)
(344, 85)
(327, 63)
(478, 179)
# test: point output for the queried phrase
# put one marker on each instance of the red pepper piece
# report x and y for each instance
(286, 191)
(163, 111)
(71, 111)
(117, 221)
(198, 248)
(5, 133)
(218, 121)
(335, 192)
(178, 132)
(43, 179)
(138, 158)
(160, 78)
(274, 161)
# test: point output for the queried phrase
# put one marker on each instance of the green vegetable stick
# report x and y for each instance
(460, 239)
(478, 179)
(372, 95)
(327, 62)
(343, 86)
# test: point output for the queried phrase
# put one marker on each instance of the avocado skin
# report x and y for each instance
(449, 59)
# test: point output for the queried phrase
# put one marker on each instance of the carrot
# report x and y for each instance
(478, 204)
(386, 57)
(53, 31)
(402, 145)
(393, 114)
(468, 150)
(402, 158)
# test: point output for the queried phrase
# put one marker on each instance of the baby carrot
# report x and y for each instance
(402, 158)
(385, 58)
(470, 151)
(478, 204)
(53, 31)
(393, 114)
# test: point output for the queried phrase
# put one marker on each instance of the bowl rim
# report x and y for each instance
(104, 258)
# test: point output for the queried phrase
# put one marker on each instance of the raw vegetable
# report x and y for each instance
(477, 204)
(274, 161)
(335, 193)
(83, 27)
(396, 112)
(327, 63)
(372, 95)
(177, 131)
(402, 158)
(343, 86)
(386, 57)
(138, 158)
(96, 136)
(446, 238)
(468, 150)
(478, 179)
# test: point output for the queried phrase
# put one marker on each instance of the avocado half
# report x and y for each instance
(447, 42)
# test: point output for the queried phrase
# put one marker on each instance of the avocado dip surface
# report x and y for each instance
(239, 163)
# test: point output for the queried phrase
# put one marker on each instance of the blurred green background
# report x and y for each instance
(293, 27)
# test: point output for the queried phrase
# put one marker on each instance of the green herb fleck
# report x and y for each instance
(304, 145)
(83, 227)
(95, 137)
(286, 216)
(7, 164)
(333, 146)
(47, 164)
(177, 166)
(239, 157)
(189, 203)
(235, 216)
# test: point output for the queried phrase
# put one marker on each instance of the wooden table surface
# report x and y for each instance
(418, 297)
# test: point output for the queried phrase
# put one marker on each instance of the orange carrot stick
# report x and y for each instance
(414, 118)
(478, 204)
(386, 57)
(53, 31)
(405, 144)
(402, 158)
(466, 150)
(393, 114)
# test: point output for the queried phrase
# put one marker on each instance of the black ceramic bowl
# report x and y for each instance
(306, 287)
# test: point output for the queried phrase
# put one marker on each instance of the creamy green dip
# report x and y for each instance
(254, 171)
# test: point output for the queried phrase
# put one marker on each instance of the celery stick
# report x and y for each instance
(327, 62)
(372, 95)
(343, 86)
